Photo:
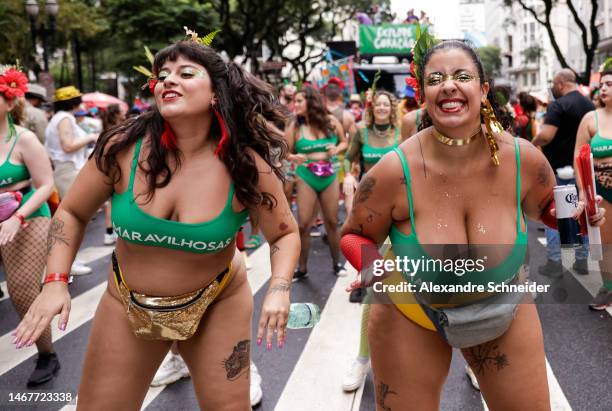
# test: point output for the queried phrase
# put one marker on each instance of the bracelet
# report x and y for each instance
(21, 218)
(51, 277)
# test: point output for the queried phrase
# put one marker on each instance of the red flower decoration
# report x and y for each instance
(412, 82)
(152, 83)
(412, 69)
(13, 83)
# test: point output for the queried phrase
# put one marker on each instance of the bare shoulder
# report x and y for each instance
(26, 137)
(262, 166)
(334, 121)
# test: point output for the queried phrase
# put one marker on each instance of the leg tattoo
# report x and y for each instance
(485, 356)
(381, 394)
(238, 362)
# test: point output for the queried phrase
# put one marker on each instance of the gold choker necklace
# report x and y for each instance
(456, 141)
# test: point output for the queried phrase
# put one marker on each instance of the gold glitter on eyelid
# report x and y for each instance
(435, 79)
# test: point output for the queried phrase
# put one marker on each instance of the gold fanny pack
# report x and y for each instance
(167, 318)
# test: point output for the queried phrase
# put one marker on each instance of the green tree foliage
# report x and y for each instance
(541, 11)
(491, 60)
(15, 36)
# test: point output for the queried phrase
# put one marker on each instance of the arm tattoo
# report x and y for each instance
(381, 394)
(365, 189)
(543, 174)
(56, 234)
(274, 249)
(282, 287)
(238, 362)
(485, 356)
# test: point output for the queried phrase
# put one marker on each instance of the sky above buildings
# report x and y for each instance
(442, 13)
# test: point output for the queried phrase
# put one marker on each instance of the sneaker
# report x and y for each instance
(339, 270)
(552, 269)
(79, 268)
(171, 370)
(253, 242)
(602, 300)
(355, 376)
(581, 266)
(256, 392)
(472, 377)
(110, 239)
(299, 275)
(357, 295)
(314, 231)
(47, 367)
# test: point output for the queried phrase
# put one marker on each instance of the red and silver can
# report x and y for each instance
(566, 203)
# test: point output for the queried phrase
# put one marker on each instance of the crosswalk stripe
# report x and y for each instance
(558, 400)
(258, 274)
(82, 310)
(324, 353)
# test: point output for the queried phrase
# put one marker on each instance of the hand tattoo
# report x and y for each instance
(238, 362)
(56, 234)
(282, 287)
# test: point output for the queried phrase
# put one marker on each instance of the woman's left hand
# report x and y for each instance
(274, 315)
(332, 150)
(596, 220)
(9, 229)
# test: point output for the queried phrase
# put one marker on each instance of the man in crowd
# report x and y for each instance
(557, 137)
(36, 119)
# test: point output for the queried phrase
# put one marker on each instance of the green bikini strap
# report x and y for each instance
(365, 136)
(396, 136)
(519, 211)
(134, 164)
(17, 135)
(402, 158)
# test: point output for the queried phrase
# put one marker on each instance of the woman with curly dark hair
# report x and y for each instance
(462, 181)
(314, 139)
(183, 179)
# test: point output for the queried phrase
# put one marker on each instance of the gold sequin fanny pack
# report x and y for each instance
(168, 318)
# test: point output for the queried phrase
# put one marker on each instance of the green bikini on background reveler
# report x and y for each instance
(601, 147)
(307, 146)
(15, 173)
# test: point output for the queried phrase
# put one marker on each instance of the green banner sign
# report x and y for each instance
(386, 38)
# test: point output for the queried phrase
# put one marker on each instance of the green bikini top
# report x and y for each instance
(410, 247)
(134, 225)
(12, 173)
(370, 154)
(601, 147)
(307, 146)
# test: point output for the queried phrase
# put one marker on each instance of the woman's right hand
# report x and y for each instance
(54, 299)
(298, 158)
(349, 185)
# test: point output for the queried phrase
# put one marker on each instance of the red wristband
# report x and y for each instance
(22, 219)
(51, 277)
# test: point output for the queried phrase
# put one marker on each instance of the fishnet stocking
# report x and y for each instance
(24, 261)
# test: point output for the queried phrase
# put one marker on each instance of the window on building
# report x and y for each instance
(532, 33)
(510, 44)
(525, 27)
(510, 61)
(524, 80)
(534, 79)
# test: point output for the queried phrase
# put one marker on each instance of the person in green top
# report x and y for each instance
(379, 134)
(314, 138)
(183, 178)
(596, 130)
(447, 185)
(25, 167)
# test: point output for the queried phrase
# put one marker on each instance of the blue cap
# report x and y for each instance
(81, 113)
(408, 92)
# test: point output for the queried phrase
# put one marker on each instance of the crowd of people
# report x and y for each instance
(447, 164)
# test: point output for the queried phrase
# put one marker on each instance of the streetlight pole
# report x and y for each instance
(45, 33)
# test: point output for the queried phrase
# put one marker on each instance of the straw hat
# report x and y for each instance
(66, 93)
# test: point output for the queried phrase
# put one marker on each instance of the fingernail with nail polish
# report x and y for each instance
(281, 344)
(269, 346)
(62, 326)
(259, 341)
(29, 343)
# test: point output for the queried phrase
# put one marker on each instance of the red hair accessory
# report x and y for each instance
(168, 139)
(224, 141)
(338, 82)
(414, 83)
(13, 83)
(152, 82)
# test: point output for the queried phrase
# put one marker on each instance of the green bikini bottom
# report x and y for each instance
(318, 184)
